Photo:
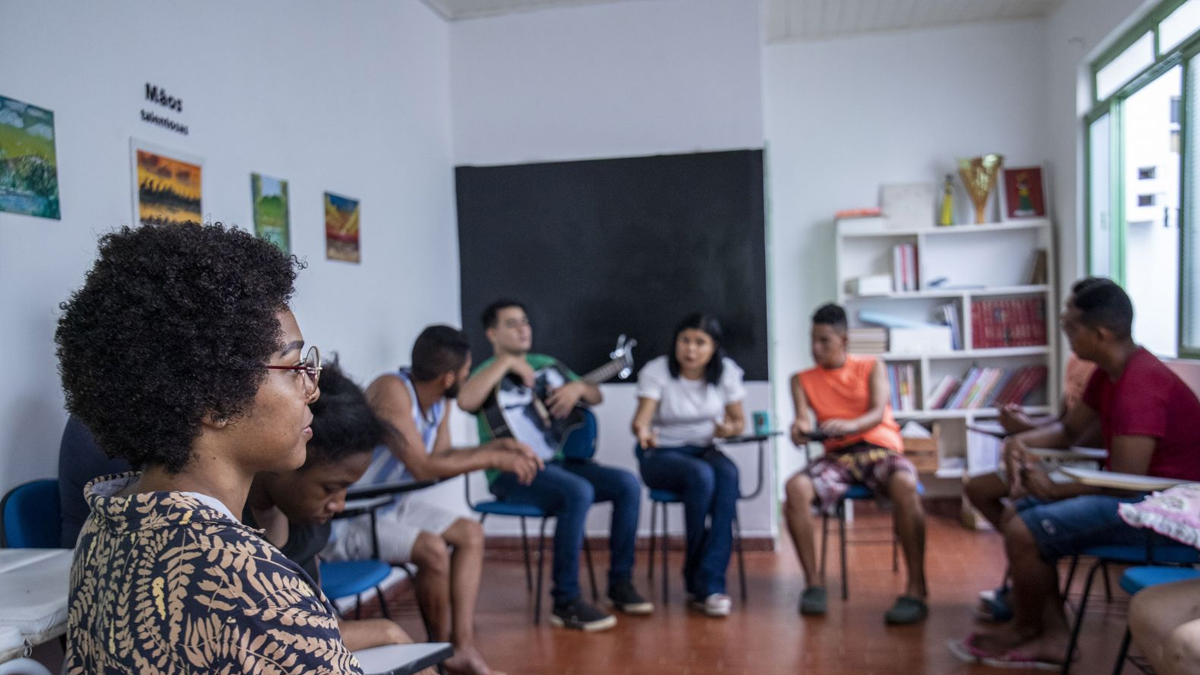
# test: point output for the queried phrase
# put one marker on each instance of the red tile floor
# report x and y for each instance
(766, 636)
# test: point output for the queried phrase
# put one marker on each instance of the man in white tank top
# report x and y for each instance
(446, 548)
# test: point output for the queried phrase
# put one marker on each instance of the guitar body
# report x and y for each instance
(520, 412)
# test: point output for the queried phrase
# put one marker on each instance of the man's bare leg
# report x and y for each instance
(1039, 625)
(466, 567)
(797, 510)
(909, 521)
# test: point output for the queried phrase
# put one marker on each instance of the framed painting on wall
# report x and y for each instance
(166, 185)
(341, 228)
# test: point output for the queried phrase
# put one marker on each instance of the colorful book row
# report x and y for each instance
(986, 388)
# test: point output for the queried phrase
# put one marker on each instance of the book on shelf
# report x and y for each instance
(904, 267)
(950, 314)
(902, 387)
(868, 340)
(1008, 322)
(1039, 273)
(942, 391)
(987, 387)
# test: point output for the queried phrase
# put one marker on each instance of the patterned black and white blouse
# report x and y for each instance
(164, 582)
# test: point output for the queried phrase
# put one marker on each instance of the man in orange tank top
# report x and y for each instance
(849, 396)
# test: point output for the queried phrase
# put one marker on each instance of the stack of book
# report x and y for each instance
(902, 382)
(986, 388)
(1008, 323)
(868, 340)
(904, 267)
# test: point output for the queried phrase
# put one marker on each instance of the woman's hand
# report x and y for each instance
(726, 428)
(646, 437)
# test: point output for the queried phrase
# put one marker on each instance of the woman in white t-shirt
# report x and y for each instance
(684, 401)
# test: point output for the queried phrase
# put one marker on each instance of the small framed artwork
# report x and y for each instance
(166, 185)
(1023, 193)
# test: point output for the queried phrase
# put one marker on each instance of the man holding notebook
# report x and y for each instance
(1147, 418)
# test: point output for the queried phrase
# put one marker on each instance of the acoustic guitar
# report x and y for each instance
(514, 406)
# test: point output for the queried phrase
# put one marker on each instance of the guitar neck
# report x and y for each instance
(604, 372)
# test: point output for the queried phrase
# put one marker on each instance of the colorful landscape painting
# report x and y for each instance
(271, 210)
(28, 163)
(341, 228)
(168, 190)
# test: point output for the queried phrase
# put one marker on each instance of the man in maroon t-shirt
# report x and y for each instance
(1147, 417)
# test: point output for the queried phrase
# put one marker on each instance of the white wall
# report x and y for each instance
(847, 115)
(1075, 33)
(353, 98)
(628, 79)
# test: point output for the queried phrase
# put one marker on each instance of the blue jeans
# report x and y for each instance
(1065, 528)
(707, 481)
(566, 490)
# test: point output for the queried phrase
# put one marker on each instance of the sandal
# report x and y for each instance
(907, 610)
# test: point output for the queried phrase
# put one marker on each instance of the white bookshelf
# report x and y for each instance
(993, 260)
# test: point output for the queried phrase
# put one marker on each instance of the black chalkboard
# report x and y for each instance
(596, 248)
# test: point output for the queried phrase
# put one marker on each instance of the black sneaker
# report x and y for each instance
(625, 598)
(579, 615)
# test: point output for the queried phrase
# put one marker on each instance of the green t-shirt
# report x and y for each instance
(551, 373)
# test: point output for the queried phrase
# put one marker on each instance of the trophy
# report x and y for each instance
(979, 177)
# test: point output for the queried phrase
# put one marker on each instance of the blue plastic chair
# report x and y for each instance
(30, 516)
(664, 498)
(1137, 579)
(1170, 554)
(498, 507)
(354, 577)
(856, 493)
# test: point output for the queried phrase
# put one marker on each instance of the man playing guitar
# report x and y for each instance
(565, 488)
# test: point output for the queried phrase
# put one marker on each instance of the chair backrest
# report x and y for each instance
(30, 516)
(579, 442)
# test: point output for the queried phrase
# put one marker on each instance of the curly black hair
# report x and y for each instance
(172, 323)
(344, 424)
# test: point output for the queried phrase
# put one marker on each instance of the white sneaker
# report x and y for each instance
(717, 605)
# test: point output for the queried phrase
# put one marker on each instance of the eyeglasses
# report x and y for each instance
(311, 368)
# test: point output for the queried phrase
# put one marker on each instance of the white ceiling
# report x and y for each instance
(455, 10)
(806, 19)
(822, 19)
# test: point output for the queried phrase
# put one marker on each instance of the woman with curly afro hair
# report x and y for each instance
(181, 356)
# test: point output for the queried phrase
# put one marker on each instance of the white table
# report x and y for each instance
(403, 659)
(34, 584)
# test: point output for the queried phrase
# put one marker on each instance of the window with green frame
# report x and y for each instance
(1143, 229)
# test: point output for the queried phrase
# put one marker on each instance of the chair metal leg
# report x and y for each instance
(1120, 665)
(842, 536)
(824, 547)
(1107, 583)
(357, 606)
(1087, 589)
(737, 542)
(895, 555)
(1070, 575)
(525, 548)
(666, 580)
(653, 527)
(537, 603)
(587, 555)
(383, 608)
